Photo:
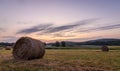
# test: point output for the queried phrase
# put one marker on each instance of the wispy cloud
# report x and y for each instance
(34, 29)
(84, 39)
(109, 27)
(60, 28)
(62, 35)
(69, 26)
(56, 31)
(52, 29)
(9, 38)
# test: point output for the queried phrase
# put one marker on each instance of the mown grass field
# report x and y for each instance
(64, 60)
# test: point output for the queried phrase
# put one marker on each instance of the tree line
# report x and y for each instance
(58, 44)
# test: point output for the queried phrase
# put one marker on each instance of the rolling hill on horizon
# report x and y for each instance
(103, 41)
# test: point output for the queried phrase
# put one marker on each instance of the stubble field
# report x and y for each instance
(64, 60)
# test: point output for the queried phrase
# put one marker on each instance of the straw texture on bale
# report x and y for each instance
(27, 48)
(105, 49)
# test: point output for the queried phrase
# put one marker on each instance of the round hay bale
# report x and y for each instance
(8, 48)
(27, 48)
(104, 48)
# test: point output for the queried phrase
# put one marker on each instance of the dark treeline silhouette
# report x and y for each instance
(65, 43)
(101, 42)
(6, 44)
(58, 44)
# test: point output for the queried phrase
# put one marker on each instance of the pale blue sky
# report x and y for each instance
(70, 18)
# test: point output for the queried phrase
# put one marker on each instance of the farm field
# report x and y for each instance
(64, 60)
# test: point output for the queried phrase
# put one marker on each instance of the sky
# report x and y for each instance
(59, 20)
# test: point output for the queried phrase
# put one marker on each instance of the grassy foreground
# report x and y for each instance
(64, 60)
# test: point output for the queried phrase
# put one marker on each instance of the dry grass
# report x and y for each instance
(64, 60)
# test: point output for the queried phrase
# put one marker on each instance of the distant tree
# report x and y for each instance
(57, 44)
(63, 44)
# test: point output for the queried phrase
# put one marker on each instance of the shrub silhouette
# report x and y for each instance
(57, 44)
(63, 44)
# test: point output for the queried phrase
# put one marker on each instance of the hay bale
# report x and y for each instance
(27, 48)
(8, 48)
(104, 48)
